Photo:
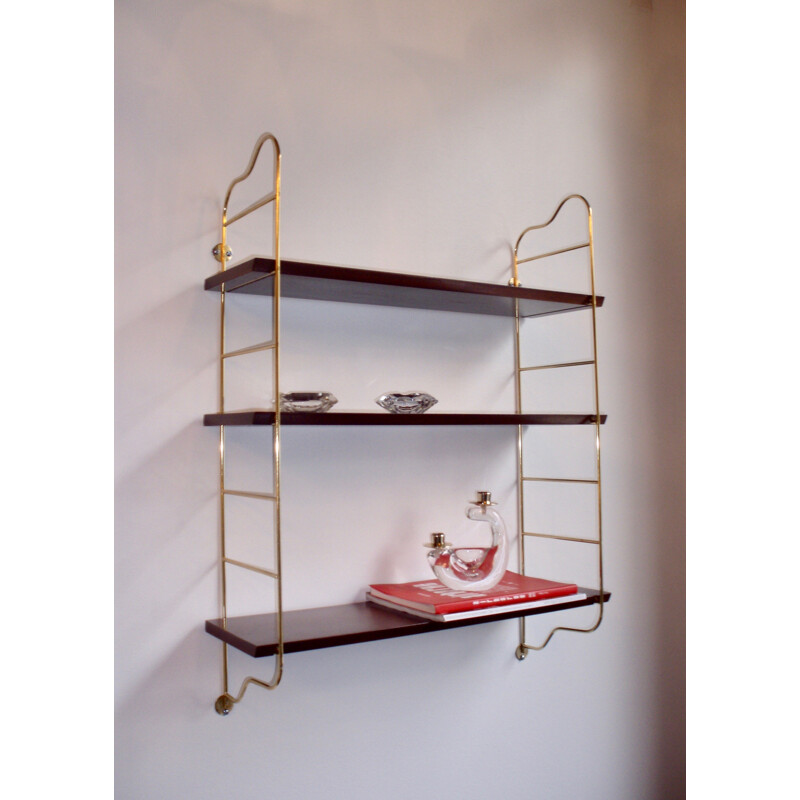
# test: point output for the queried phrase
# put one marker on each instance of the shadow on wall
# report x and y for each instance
(167, 365)
(165, 553)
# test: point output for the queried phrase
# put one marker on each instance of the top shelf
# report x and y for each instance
(308, 281)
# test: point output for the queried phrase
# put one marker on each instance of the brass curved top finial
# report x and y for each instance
(265, 137)
(517, 261)
(222, 252)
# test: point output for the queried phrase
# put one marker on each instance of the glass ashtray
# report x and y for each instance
(308, 401)
(406, 402)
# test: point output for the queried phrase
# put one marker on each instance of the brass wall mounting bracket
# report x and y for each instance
(217, 252)
(223, 705)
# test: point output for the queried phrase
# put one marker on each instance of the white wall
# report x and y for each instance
(420, 137)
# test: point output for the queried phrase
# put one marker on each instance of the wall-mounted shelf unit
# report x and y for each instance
(282, 632)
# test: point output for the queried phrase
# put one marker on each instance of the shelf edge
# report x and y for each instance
(371, 418)
(397, 624)
(256, 272)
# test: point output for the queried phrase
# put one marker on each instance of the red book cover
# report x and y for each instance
(434, 597)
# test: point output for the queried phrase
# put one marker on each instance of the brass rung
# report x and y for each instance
(563, 480)
(251, 567)
(267, 198)
(561, 538)
(554, 366)
(254, 348)
(553, 253)
(257, 495)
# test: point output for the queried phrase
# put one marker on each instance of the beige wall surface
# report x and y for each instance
(420, 137)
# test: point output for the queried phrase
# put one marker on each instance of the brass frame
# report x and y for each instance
(523, 648)
(226, 701)
(222, 253)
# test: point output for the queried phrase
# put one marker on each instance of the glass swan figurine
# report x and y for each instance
(473, 569)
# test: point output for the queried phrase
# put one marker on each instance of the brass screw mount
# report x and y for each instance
(217, 252)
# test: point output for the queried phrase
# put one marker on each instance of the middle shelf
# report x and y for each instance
(264, 417)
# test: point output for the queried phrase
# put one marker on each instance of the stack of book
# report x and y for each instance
(434, 601)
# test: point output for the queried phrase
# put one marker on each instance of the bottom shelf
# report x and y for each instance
(315, 628)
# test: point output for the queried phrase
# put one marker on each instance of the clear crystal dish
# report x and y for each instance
(308, 401)
(406, 402)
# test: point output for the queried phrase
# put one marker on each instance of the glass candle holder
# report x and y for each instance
(473, 569)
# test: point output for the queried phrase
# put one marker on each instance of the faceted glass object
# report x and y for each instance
(474, 569)
(308, 401)
(406, 402)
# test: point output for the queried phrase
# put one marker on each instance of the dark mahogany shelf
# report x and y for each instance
(309, 281)
(259, 417)
(316, 628)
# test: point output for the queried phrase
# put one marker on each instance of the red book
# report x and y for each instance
(432, 597)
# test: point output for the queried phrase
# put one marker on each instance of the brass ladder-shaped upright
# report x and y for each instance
(523, 648)
(222, 253)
